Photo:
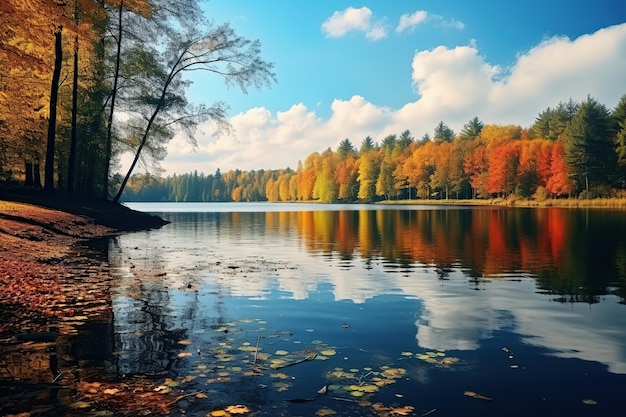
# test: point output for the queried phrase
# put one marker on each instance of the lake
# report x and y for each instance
(361, 310)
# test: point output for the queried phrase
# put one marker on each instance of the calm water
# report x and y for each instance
(383, 308)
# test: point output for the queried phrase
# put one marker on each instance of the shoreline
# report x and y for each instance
(44, 256)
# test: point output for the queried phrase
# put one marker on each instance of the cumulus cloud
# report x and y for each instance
(451, 85)
(352, 19)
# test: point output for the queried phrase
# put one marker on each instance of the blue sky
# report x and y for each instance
(350, 69)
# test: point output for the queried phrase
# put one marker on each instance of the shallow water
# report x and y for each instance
(405, 309)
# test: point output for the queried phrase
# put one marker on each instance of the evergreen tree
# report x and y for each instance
(367, 145)
(589, 144)
(471, 129)
(443, 133)
(405, 140)
(619, 120)
(345, 149)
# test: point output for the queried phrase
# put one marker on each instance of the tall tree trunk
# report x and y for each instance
(28, 166)
(108, 145)
(72, 157)
(36, 175)
(52, 121)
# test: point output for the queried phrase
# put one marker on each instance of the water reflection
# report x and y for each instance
(476, 271)
(577, 254)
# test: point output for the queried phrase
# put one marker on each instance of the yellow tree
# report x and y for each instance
(326, 189)
(28, 35)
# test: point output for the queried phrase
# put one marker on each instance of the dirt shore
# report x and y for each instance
(42, 253)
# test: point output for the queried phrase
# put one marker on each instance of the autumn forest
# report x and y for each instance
(572, 150)
(85, 81)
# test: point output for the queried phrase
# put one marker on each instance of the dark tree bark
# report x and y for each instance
(72, 157)
(28, 166)
(52, 122)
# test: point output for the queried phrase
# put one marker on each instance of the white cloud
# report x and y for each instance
(452, 85)
(440, 21)
(352, 19)
(410, 21)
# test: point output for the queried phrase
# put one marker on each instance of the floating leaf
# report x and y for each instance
(184, 342)
(472, 394)
(402, 411)
(589, 402)
(219, 413)
(357, 393)
(407, 354)
(328, 352)
(111, 391)
(325, 412)
(449, 361)
(281, 352)
(201, 395)
(184, 354)
(237, 409)
(394, 373)
(248, 348)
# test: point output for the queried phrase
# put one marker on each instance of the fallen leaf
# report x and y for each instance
(472, 394)
(237, 409)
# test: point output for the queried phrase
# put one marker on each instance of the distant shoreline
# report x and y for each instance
(606, 203)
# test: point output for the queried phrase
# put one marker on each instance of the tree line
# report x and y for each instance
(84, 81)
(574, 149)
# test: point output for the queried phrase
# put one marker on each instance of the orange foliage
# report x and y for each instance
(503, 163)
(559, 183)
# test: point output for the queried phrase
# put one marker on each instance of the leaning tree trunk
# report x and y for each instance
(52, 121)
(116, 76)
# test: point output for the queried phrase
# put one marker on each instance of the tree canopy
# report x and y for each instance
(128, 61)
